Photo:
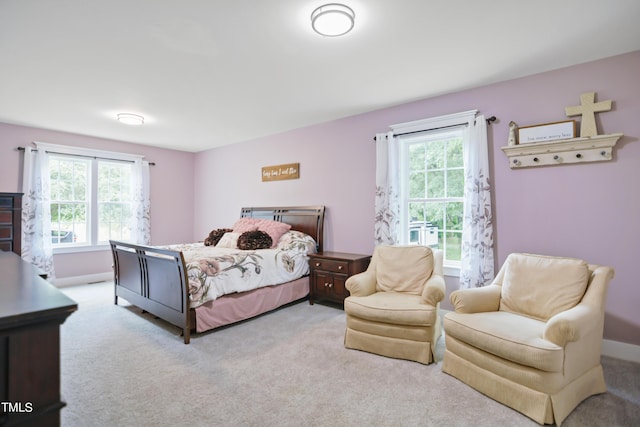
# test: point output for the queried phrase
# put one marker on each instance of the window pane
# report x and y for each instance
(435, 184)
(416, 212)
(416, 185)
(416, 157)
(114, 196)
(453, 246)
(435, 154)
(455, 183)
(454, 153)
(69, 208)
(454, 215)
(79, 181)
(435, 214)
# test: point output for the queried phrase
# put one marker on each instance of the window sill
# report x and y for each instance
(80, 248)
(451, 270)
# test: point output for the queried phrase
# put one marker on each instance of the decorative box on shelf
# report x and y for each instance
(563, 151)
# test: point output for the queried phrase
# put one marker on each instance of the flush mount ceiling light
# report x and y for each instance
(130, 119)
(332, 20)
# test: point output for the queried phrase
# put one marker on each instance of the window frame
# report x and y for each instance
(92, 215)
(409, 132)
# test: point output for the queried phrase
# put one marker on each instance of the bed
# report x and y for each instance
(156, 279)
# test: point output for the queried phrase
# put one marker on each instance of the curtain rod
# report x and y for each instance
(489, 120)
(88, 157)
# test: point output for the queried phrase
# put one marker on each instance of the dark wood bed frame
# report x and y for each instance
(155, 279)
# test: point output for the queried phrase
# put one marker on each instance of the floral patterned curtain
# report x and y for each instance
(36, 211)
(387, 202)
(141, 204)
(477, 231)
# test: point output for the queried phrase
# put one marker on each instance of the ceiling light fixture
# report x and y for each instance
(332, 20)
(130, 119)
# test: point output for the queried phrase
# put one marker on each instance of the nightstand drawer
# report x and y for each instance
(331, 265)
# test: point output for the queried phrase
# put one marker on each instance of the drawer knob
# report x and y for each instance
(317, 264)
(340, 267)
(326, 284)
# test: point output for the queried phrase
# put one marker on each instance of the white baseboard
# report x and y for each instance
(621, 350)
(83, 280)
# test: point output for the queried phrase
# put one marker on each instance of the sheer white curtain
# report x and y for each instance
(387, 201)
(36, 211)
(141, 204)
(477, 230)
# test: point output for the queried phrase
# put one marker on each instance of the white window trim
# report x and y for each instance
(462, 118)
(425, 125)
(87, 152)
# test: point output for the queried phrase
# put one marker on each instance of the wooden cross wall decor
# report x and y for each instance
(587, 108)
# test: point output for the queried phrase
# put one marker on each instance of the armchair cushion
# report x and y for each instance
(541, 286)
(392, 307)
(403, 268)
(513, 337)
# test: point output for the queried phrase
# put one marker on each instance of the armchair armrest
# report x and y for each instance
(362, 284)
(434, 290)
(476, 300)
(571, 325)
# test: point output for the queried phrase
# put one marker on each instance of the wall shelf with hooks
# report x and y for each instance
(564, 151)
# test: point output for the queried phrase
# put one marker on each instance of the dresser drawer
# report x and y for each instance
(330, 265)
(6, 217)
(6, 232)
(6, 202)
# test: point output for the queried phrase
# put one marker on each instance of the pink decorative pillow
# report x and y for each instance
(274, 229)
(245, 224)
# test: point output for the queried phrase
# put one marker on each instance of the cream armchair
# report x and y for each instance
(532, 339)
(393, 307)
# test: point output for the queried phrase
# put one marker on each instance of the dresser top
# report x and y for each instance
(25, 297)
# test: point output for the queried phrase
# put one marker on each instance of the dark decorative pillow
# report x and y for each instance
(251, 240)
(214, 237)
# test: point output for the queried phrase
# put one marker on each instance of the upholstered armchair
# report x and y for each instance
(532, 339)
(393, 307)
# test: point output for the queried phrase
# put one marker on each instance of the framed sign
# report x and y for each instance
(281, 172)
(547, 132)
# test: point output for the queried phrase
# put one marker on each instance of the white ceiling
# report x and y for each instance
(206, 73)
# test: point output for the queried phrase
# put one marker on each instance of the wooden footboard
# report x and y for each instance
(154, 280)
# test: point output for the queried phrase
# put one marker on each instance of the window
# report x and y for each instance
(91, 200)
(432, 182)
(432, 189)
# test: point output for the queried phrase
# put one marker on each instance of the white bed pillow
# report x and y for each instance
(229, 240)
(298, 240)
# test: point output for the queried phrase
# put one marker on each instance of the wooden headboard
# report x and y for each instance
(307, 219)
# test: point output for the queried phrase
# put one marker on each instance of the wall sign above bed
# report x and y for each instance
(281, 172)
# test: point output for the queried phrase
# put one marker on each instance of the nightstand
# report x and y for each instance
(330, 271)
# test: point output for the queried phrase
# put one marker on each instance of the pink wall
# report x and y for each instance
(172, 190)
(573, 210)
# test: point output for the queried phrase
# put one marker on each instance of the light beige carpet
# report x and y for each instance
(286, 368)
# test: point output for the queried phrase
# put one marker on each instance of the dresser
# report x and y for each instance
(31, 312)
(11, 222)
(329, 271)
